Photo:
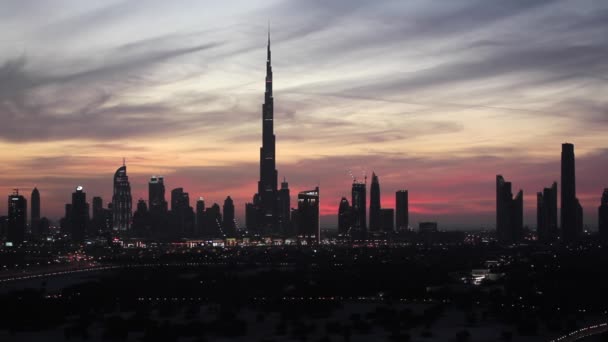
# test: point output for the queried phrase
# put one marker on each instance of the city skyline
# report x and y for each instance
(174, 106)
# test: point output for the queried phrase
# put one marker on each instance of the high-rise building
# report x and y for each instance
(358, 207)
(35, 212)
(266, 200)
(387, 219)
(3, 226)
(344, 217)
(17, 218)
(570, 219)
(308, 215)
(66, 222)
(182, 214)
(200, 216)
(252, 217)
(98, 223)
(228, 214)
(156, 194)
(509, 212)
(603, 216)
(141, 219)
(213, 224)
(374, 204)
(517, 218)
(284, 209)
(79, 215)
(546, 214)
(121, 200)
(402, 216)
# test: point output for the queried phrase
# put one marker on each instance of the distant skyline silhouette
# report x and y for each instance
(438, 105)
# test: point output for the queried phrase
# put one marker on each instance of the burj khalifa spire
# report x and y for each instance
(266, 198)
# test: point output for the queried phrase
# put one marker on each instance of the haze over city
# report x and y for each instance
(435, 97)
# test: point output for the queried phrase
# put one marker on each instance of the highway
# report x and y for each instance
(579, 334)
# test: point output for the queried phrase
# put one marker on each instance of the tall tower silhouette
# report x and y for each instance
(121, 200)
(35, 212)
(374, 204)
(571, 211)
(266, 198)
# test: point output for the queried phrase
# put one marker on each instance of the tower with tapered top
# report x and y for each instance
(265, 200)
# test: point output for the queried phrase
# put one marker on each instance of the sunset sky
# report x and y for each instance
(436, 97)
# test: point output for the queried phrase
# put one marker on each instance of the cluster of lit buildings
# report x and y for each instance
(509, 209)
(270, 213)
(352, 217)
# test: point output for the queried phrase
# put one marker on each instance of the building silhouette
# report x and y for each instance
(344, 217)
(374, 204)
(284, 209)
(213, 222)
(228, 216)
(571, 210)
(546, 214)
(79, 215)
(158, 207)
(200, 216)
(65, 222)
(603, 216)
(402, 215)
(156, 195)
(307, 224)
(182, 214)
(121, 200)
(387, 219)
(141, 219)
(509, 213)
(35, 212)
(17, 218)
(358, 208)
(252, 214)
(3, 226)
(265, 200)
(98, 222)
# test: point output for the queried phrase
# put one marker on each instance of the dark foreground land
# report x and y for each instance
(322, 293)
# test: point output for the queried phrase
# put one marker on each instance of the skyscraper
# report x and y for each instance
(17, 218)
(509, 212)
(402, 216)
(284, 208)
(141, 219)
(200, 216)
(308, 215)
(517, 217)
(344, 217)
(156, 194)
(79, 215)
(98, 220)
(265, 200)
(374, 204)
(603, 216)
(546, 214)
(182, 215)
(121, 200)
(213, 221)
(228, 214)
(35, 212)
(571, 230)
(358, 208)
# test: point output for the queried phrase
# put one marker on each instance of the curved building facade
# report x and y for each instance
(121, 200)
